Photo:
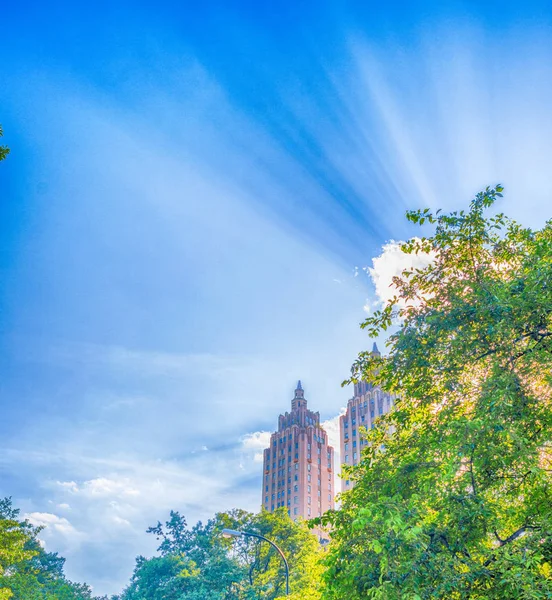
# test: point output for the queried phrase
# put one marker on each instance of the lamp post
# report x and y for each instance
(228, 533)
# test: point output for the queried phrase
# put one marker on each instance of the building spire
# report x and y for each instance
(374, 350)
(299, 398)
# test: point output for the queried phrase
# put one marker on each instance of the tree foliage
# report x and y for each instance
(4, 150)
(27, 572)
(453, 495)
(197, 563)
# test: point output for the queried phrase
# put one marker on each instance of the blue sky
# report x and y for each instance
(192, 195)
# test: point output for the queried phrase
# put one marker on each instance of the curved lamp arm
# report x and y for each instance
(233, 533)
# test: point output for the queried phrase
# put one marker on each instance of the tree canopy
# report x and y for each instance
(453, 495)
(4, 150)
(198, 563)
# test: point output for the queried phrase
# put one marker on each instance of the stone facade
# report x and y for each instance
(298, 467)
(367, 404)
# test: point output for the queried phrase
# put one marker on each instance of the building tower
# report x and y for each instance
(298, 467)
(368, 403)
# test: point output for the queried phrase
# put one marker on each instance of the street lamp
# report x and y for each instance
(228, 533)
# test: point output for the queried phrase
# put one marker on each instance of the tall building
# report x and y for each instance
(368, 403)
(298, 467)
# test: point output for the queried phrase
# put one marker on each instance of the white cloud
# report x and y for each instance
(70, 486)
(120, 521)
(102, 486)
(53, 524)
(332, 429)
(258, 440)
(391, 263)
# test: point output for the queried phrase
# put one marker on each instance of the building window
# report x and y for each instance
(346, 458)
(308, 499)
(295, 511)
(346, 445)
(354, 455)
(295, 488)
(308, 477)
(308, 489)
(295, 499)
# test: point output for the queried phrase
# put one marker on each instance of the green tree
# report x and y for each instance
(14, 539)
(197, 563)
(27, 572)
(4, 150)
(453, 495)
